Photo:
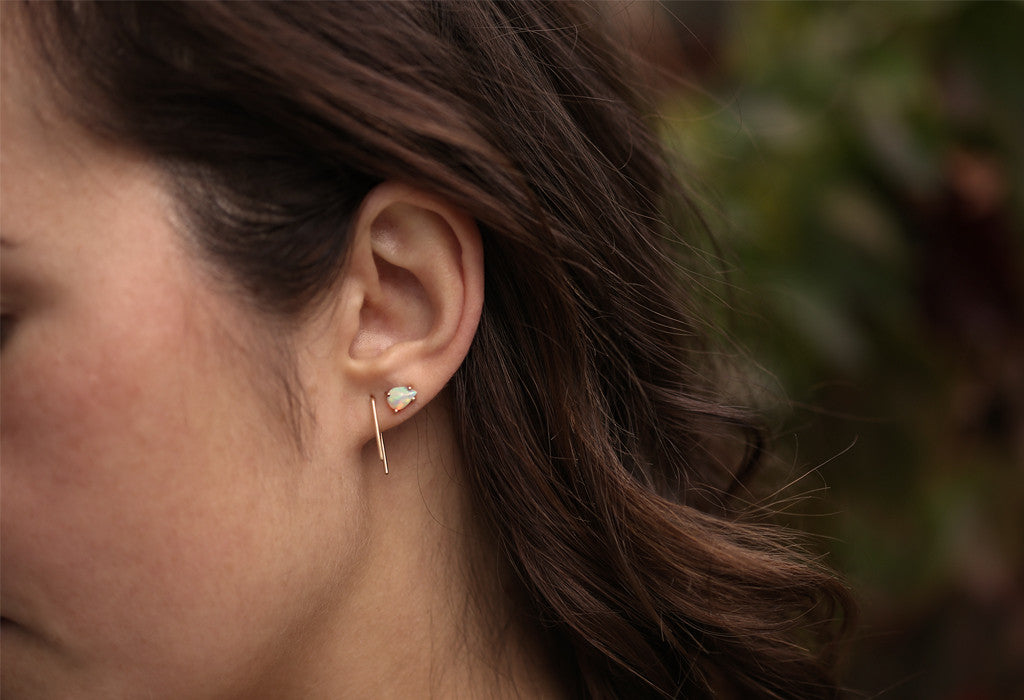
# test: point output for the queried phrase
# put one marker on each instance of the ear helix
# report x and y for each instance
(398, 398)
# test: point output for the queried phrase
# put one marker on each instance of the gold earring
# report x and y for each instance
(399, 397)
(380, 438)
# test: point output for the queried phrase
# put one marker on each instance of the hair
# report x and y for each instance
(604, 472)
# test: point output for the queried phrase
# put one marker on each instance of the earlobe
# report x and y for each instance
(417, 263)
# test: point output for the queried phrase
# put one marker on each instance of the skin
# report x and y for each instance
(162, 535)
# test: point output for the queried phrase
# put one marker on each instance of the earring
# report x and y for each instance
(380, 438)
(398, 398)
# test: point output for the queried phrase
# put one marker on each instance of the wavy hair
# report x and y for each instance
(604, 472)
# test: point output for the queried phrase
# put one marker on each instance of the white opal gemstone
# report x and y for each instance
(400, 396)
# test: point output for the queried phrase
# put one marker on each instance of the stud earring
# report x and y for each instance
(398, 397)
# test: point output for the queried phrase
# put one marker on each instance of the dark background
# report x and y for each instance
(862, 164)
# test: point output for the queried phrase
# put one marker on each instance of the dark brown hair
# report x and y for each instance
(603, 472)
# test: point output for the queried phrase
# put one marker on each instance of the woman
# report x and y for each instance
(347, 353)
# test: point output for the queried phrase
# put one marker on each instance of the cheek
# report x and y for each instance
(145, 510)
(100, 465)
(91, 407)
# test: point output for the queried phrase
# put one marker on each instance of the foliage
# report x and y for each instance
(865, 163)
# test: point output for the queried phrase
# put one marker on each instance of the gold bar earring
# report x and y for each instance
(380, 438)
(399, 398)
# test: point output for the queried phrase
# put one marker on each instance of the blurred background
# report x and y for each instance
(863, 165)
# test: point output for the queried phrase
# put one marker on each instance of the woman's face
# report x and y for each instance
(161, 535)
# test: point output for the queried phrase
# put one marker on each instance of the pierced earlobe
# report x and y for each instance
(398, 397)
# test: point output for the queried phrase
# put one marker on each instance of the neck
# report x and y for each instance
(426, 615)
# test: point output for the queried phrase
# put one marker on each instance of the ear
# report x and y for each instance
(416, 289)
